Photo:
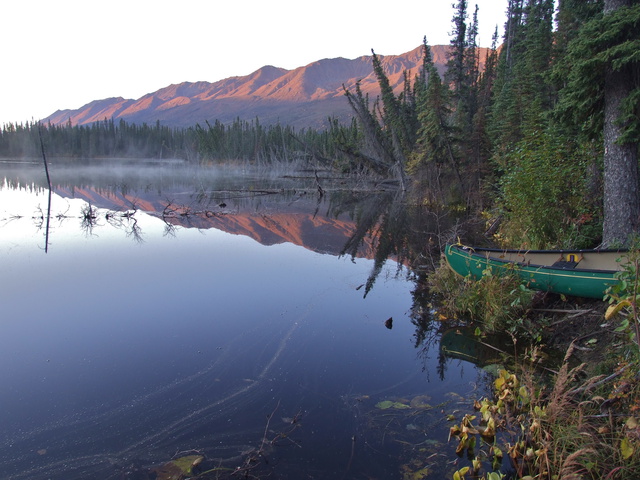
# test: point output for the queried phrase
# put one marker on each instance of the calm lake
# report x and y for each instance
(155, 311)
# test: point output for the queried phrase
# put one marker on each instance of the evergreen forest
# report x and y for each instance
(543, 138)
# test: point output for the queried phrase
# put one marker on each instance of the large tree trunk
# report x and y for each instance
(621, 189)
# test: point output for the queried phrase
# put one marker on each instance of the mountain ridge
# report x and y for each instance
(303, 97)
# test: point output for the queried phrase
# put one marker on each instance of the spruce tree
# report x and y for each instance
(455, 74)
(621, 109)
(504, 122)
(602, 97)
(434, 149)
(395, 122)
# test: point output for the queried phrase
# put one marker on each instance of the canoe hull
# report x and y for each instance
(580, 282)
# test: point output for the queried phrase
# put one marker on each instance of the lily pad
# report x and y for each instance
(408, 473)
(421, 401)
(177, 469)
(389, 404)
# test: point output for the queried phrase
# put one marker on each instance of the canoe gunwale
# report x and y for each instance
(474, 253)
(513, 250)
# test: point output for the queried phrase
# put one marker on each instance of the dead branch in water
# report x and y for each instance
(172, 210)
(44, 157)
(46, 170)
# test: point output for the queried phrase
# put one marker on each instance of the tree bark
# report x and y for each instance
(621, 189)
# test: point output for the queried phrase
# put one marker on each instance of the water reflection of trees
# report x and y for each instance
(411, 235)
(385, 225)
(451, 339)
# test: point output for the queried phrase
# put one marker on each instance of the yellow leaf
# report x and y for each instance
(496, 452)
(468, 419)
(626, 448)
(495, 476)
(490, 430)
(459, 475)
(615, 309)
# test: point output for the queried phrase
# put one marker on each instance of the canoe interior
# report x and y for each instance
(602, 260)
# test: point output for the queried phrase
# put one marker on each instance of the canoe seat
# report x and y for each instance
(565, 264)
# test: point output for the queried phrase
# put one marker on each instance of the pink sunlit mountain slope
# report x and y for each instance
(303, 97)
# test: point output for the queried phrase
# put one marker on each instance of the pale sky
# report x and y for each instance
(62, 54)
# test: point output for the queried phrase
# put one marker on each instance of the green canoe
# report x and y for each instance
(582, 273)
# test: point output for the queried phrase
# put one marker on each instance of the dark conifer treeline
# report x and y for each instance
(98, 140)
(252, 141)
(525, 136)
(240, 140)
(105, 139)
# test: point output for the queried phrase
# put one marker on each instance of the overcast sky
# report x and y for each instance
(62, 54)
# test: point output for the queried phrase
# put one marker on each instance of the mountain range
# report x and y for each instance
(303, 97)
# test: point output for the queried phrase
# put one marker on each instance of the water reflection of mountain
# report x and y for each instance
(318, 210)
(269, 217)
(264, 204)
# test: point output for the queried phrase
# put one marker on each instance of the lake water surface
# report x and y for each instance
(170, 310)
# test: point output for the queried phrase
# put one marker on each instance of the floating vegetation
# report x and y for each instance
(420, 401)
(409, 431)
(389, 404)
(177, 469)
(252, 463)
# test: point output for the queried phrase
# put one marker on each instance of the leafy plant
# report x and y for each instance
(544, 194)
(624, 298)
(498, 301)
(558, 430)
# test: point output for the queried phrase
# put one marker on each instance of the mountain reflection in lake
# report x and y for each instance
(181, 311)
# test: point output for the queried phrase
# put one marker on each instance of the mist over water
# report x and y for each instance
(181, 309)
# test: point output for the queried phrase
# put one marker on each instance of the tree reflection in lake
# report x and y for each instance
(117, 354)
(408, 234)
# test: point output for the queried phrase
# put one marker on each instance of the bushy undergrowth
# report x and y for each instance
(499, 302)
(548, 195)
(625, 300)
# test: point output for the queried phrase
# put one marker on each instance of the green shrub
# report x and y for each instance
(624, 298)
(499, 302)
(544, 194)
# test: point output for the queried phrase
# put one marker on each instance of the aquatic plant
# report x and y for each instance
(567, 430)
